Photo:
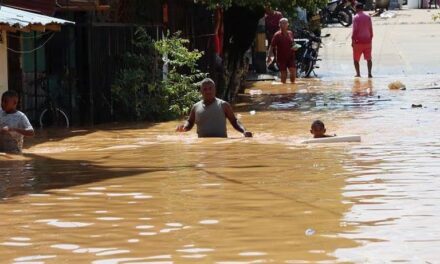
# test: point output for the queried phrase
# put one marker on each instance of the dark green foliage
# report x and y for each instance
(284, 5)
(140, 93)
(180, 84)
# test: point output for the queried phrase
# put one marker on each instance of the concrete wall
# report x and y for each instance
(3, 63)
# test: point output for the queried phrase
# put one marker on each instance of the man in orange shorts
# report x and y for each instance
(362, 39)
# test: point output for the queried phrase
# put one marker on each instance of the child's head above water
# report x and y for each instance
(9, 101)
(318, 129)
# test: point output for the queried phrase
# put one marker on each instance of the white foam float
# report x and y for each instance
(336, 139)
(378, 100)
(358, 104)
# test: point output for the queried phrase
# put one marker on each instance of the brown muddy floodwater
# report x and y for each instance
(144, 194)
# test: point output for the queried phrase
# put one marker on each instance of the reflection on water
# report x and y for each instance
(148, 195)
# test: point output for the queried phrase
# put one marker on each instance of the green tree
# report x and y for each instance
(140, 93)
(179, 86)
(285, 5)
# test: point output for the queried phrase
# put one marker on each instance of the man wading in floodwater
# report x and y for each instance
(210, 115)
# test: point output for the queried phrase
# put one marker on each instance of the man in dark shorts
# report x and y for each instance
(283, 42)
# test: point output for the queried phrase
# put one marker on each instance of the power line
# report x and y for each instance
(33, 50)
(30, 37)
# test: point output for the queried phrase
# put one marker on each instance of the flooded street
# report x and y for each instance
(144, 194)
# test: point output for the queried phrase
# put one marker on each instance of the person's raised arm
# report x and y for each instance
(25, 132)
(234, 121)
(188, 123)
(354, 32)
(269, 54)
(24, 128)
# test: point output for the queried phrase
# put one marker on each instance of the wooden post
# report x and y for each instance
(3, 61)
(35, 79)
(90, 61)
(259, 62)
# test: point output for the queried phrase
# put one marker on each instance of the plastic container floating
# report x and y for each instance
(310, 232)
(255, 92)
(296, 46)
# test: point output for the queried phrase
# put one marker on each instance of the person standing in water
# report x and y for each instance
(361, 39)
(283, 42)
(14, 125)
(210, 115)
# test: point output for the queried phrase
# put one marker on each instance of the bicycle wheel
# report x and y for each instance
(54, 118)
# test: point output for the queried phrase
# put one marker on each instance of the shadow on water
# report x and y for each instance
(54, 135)
(36, 174)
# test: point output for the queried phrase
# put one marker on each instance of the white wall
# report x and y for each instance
(3, 63)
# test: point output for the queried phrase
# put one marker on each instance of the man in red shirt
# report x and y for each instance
(282, 42)
(362, 39)
(272, 24)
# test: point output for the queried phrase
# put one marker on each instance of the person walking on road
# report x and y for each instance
(362, 39)
(283, 42)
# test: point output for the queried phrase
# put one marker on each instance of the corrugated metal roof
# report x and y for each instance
(18, 18)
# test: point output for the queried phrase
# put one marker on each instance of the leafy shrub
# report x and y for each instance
(179, 84)
(140, 93)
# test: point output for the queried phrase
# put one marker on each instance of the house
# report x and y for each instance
(16, 20)
(80, 62)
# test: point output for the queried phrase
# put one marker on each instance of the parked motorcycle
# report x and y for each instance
(307, 55)
(336, 11)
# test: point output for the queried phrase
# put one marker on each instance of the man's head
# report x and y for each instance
(318, 129)
(207, 89)
(9, 101)
(268, 10)
(359, 7)
(284, 24)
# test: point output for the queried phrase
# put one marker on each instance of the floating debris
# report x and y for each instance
(396, 85)
(255, 92)
(310, 232)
